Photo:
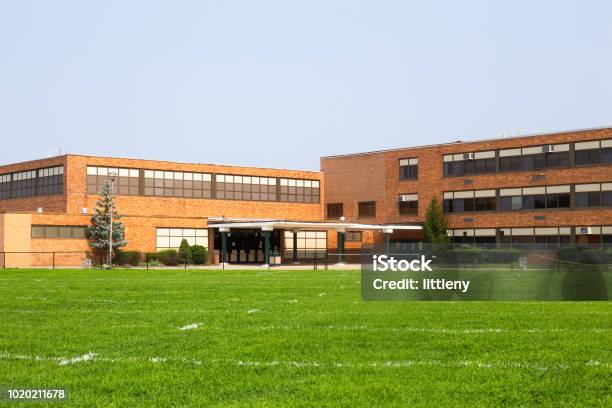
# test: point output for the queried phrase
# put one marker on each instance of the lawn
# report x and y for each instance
(269, 338)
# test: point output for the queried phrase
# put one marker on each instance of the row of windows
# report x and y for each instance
(529, 198)
(126, 181)
(540, 238)
(61, 231)
(32, 183)
(203, 185)
(527, 158)
(308, 245)
(171, 238)
(245, 188)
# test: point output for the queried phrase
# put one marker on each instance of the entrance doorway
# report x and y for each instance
(246, 246)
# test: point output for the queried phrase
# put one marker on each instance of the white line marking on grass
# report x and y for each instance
(322, 294)
(191, 326)
(391, 364)
(157, 359)
(291, 301)
(253, 311)
(84, 358)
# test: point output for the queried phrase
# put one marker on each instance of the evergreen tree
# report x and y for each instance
(435, 224)
(100, 223)
(184, 252)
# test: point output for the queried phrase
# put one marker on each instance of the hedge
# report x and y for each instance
(168, 257)
(125, 258)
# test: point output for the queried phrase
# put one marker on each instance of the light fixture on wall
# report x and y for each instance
(39, 210)
(84, 210)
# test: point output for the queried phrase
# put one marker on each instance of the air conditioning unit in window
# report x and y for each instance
(585, 231)
(468, 156)
(401, 198)
(548, 149)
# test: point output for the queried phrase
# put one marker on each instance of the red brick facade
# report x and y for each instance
(346, 179)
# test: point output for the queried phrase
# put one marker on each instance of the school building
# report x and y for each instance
(536, 191)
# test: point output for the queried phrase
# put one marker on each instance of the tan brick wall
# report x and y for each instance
(16, 238)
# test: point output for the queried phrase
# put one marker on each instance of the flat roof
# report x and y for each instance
(469, 141)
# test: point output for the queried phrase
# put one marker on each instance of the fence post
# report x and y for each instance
(147, 259)
(3, 260)
(53, 260)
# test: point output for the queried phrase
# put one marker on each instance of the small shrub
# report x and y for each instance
(199, 255)
(184, 252)
(128, 258)
(168, 257)
(567, 253)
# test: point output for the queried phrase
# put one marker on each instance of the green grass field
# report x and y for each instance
(114, 338)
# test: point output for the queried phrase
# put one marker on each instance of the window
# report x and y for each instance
(534, 157)
(31, 183)
(299, 191)
(409, 169)
(309, 244)
(126, 181)
(367, 209)
(468, 201)
(335, 210)
(5, 186)
(408, 204)
(51, 180)
(593, 152)
(177, 184)
(540, 238)
(469, 163)
(250, 188)
(485, 238)
(588, 152)
(593, 195)
(606, 151)
(534, 198)
(170, 238)
(353, 236)
(60, 232)
(24, 184)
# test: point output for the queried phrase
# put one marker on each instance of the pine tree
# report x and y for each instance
(184, 252)
(435, 224)
(100, 223)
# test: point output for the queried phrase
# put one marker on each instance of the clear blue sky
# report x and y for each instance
(281, 83)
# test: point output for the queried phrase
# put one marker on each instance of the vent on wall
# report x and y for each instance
(84, 210)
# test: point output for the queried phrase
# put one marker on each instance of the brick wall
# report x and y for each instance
(361, 177)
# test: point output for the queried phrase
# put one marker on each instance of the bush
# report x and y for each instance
(502, 255)
(567, 253)
(470, 254)
(131, 258)
(199, 255)
(592, 256)
(184, 252)
(168, 257)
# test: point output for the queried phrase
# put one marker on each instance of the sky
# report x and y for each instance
(282, 83)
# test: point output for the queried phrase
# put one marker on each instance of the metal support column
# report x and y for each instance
(341, 246)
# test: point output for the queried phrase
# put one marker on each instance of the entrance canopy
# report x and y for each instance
(268, 235)
(269, 225)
